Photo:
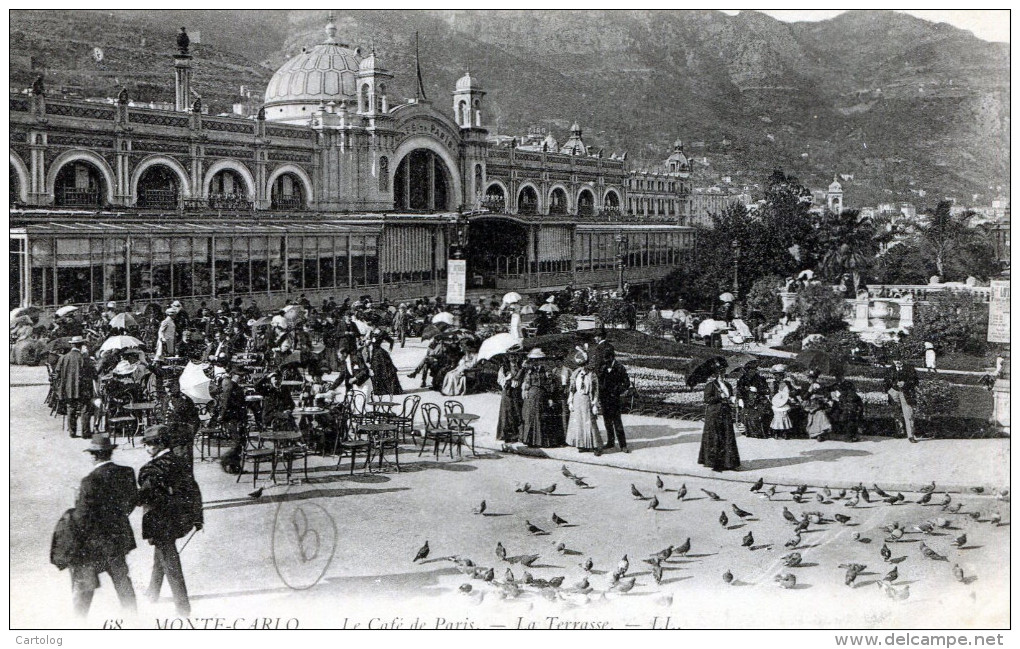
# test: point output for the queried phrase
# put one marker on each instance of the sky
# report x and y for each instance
(989, 25)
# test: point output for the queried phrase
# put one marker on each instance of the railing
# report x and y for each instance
(288, 203)
(230, 202)
(494, 205)
(74, 197)
(510, 265)
(924, 292)
(612, 213)
(558, 210)
(158, 198)
(527, 209)
(585, 211)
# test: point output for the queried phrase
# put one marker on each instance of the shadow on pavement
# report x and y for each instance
(299, 495)
(821, 455)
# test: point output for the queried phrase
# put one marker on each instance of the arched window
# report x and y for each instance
(462, 118)
(384, 174)
(527, 200)
(79, 184)
(287, 193)
(479, 179)
(158, 187)
(558, 201)
(363, 105)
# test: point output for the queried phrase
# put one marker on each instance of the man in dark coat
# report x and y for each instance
(106, 497)
(901, 386)
(613, 382)
(173, 506)
(182, 421)
(600, 351)
(75, 387)
(231, 412)
(753, 401)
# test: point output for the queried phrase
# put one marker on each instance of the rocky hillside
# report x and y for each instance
(902, 104)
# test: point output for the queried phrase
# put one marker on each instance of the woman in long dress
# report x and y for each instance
(508, 427)
(455, 381)
(384, 372)
(718, 441)
(781, 404)
(582, 429)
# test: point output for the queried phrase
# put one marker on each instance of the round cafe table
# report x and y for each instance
(286, 444)
(460, 422)
(377, 439)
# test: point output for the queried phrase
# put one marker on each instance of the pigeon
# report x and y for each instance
(801, 526)
(588, 565)
(711, 494)
(566, 472)
(728, 577)
(561, 547)
(792, 560)
(664, 554)
(758, 485)
(486, 574)
(946, 499)
(788, 515)
(896, 534)
(827, 491)
(865, 496)
(925, 499)
(885, 552)
(786, 580)
(853, 502)
(892, 575)
(852, 570)
(792, 543)
(559, 521)
(748, 540)
(879, 491)
(525, 488)
(556, 582)
(626, 585)
(978, 490)
(740, 512)
(841, 495)
(462, 563)
(657, 574)
(534, 529)
(900, 497)
(771, 492)
(891, 500)
(975, 515)
(929, 489)
(682, 493)
(481, 508)
(941, 522)
(842, 518)
(582, 585)
(820, 498)
(508, 576)
(925, 527)
(931, 554)
(895, 592)
(995, 519)
(659, 484)
(958, 573)
(797, 498)
(423, 552)
(801, 490)
(955, 509)
(723, 519)
(500, 551)
(465, 588)
(257, 493)
(654, 560)
(528, 579)
(623, 566)
(1002, 495)
(684, 548)
(581, 483)
(653, 503)
(509, 590)
(524, 559)
(634, 492)
(548, 490)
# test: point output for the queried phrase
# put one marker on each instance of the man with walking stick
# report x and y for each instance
(173, 506)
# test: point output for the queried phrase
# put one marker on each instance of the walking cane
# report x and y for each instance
(188, 540)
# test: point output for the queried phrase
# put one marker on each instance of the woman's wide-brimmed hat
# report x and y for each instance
(536, 353)
(124, 368)
(580, 357)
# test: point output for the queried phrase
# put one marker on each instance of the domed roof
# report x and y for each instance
(323, 73)
(835, 187)
(466, 82)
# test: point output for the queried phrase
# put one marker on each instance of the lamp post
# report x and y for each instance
(621, 256)
(736, 267)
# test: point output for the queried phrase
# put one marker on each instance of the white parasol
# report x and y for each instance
(709, 327)
(726, 297)
(445, 317)
(64, 310)
(513, 297)
(806, 274)
(496, 345)
(123, 321)
(549, 308)
(195, 384)
(120, 342)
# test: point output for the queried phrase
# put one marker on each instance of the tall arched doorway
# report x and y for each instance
(497, 249)
(14, 189)
(585, 203)
(159, 188)
(527, 201)
(495, 198)
(422, 183)
(558, 201)
(79, 184)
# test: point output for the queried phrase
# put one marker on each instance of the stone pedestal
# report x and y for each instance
(860, 321)
(1000, 410)
(789, 299)
(907, 312)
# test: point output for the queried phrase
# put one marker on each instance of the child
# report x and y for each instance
(819, 425)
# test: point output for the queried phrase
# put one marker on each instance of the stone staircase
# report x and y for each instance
(775, 336)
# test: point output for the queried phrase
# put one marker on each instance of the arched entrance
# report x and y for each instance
(14, 189)
(228, 190)
(495, 198)
(558, 201)
(287, 193)
(79, 184)
(585, 203)
(422, 183)
(159, 188)
(527, 201)
(498, 249)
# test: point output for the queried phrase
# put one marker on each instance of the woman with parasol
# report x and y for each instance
(718, 441)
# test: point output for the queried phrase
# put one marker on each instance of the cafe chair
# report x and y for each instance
(404, 420)
(250, 452)
(433, 429)
(452, 406)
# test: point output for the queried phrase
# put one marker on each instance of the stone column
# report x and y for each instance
(860, 319)
(182, 82)
(907, 312)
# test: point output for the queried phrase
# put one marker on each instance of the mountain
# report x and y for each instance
(902, 104)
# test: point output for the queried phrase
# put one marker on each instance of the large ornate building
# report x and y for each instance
(332, 188)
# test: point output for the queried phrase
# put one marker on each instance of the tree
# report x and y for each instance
(847, 245)
(943, 234)
(903, 263)
(953, 321)
(764, 299)
(820, 310)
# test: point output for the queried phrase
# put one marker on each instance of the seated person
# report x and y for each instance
(277, 403)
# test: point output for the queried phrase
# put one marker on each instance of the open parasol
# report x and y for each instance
(21, 320)
(709, 327)
(527, 309)
(806, 274)
(433, 330)
(123, 321)
(30, 311)
(497, 344)
(513, 297)
(726, 297)
(195, 384)
(444, 317)
(64, 310)
(549, 308)
(703, 370)
(120, 342)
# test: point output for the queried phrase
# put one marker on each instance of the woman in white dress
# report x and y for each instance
(582, 429)
(781, 424)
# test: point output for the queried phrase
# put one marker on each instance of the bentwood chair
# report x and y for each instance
(453, 407)
(433, 429)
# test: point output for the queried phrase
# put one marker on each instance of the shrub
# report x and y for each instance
(764, 298)
(613, 312)
(935, 399)
(953, 322)
(820, 310)
(566, 322)
(839, 346)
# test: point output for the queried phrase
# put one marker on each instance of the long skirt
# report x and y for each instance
(818, 423)
(533, 433)
(508, 427)
(718, 441)
(384, 373)
(454, 383)
(583, 429)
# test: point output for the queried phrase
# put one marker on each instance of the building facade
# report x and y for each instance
(330, 189)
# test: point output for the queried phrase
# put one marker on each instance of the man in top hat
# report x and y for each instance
(75, 385)
(613, 382)
(173, 506)
(106, 497)
(599, 352)
(400, 324)
(166, 337)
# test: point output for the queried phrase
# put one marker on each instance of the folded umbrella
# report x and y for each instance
(123, 321)
(120, 342)
(703, 370)
(195, 384)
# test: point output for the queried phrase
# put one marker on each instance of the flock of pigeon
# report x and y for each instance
(600, 582)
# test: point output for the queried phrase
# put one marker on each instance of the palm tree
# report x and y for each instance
(849, 245)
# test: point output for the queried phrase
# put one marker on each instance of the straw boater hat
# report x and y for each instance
(155, 434)
(99, 444)
(929, 346)
(536, 353)
(111, 305)
(76, 340)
